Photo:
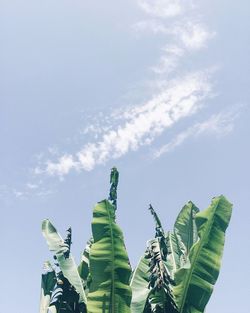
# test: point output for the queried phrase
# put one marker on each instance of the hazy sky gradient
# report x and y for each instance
(161, 91)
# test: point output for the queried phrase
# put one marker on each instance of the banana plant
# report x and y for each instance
(176, 274)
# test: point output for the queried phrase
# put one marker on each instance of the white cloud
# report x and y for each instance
(194, 36)
(184, 38)
(161, 8)
(169, 60)
(141, 125)
(62, 167)
(219, 124)
(184, 31)
(177, 99)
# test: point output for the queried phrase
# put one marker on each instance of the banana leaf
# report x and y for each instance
(161, 298)
(140, 285)
(109, 290)
(176, 257)
(182, 238)
(159, 232)
(151, 282)
(56, 299)
(185, 226)
(67, 265)
(64, 298)
(47, 286)
(83, 267)
(194, 285)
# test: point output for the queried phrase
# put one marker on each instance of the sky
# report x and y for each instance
(159, 89)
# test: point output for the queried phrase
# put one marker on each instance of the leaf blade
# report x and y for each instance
(67, 265)
(140, 285)
(47, 284)
(194, 285)
(109, 290)
(185, 226)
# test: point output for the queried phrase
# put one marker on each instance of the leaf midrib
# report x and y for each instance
(191, 229)
(112, 262)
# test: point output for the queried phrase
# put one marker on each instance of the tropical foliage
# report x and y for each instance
(176, 274)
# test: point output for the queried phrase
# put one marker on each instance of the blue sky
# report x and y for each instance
(159, 90)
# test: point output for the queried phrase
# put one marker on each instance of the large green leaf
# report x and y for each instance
(83, 267)
(176, 257)
(182, 238)
(109, 290)
(67, 265)
(47, 286)
(140, 285)
(185, 226)
(194, 285)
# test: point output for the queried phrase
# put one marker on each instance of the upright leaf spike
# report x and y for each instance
(114, 179)
(159, 232)
(160, 299)
(68, 242)
(158, 228)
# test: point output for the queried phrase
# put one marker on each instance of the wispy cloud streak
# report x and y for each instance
(218, 125)
(141, 125)
(161, 8)
(178, 22)
(177, 98)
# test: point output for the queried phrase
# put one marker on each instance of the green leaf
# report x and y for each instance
(176, 257)
(158, 226)
(67, 265)
(47, 286)
(140, 285)
(161, 296)
(194, 285)
(182, 238)
(114, 179)
(64, 298)
(83, 267)
(109, 290)
(185, 226)
(158, 302)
